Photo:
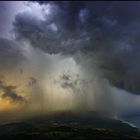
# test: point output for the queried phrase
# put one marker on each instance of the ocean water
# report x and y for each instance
(133, 120)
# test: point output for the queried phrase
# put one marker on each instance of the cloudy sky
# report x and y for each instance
(78, 56)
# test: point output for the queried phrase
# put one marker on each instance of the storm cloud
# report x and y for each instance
(10, 92)
(11, 54)
(79, 56)
(109, 30)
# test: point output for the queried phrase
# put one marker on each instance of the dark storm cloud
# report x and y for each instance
(111, 29)
(10, 92)
(67, 81)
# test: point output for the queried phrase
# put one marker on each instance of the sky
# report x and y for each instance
(61, 56)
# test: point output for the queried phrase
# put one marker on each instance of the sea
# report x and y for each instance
(133, 120)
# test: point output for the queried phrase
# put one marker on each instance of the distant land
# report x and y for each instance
(69, 125)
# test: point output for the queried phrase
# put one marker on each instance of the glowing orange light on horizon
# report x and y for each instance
(6, 104)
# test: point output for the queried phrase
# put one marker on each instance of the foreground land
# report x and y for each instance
(69, 126)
